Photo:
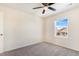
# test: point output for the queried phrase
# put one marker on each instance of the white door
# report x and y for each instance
(1, 32)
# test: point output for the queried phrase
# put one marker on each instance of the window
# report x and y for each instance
(61, 27)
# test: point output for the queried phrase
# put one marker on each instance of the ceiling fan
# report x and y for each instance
(46, 6)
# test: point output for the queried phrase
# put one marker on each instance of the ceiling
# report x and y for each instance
(27, 7)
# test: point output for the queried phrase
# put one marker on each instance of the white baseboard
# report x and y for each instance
(24, 45)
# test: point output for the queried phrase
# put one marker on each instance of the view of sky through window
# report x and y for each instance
(61, 23)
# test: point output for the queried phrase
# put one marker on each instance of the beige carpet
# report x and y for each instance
(42, 49)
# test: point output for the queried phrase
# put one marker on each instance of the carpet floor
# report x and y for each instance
(41, 49)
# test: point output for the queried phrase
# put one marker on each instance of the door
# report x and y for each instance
(1, 32)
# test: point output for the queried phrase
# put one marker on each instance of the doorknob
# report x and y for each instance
(1, 34)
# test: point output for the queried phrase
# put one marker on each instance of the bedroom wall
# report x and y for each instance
(72, 41)
(20, 28)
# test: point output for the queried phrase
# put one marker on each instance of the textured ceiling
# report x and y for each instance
(27, 7)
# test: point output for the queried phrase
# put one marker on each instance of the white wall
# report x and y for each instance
(72, 41)
(20, 28)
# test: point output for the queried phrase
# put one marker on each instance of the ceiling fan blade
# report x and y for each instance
(43, 11)
(70, 4)
(51, 8)
(37, 7)
(50, 4)
(45, 4)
